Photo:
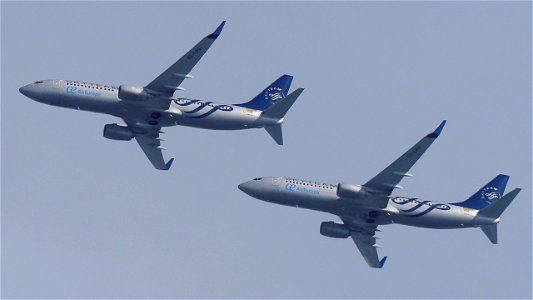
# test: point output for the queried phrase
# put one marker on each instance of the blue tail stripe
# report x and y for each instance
(274, 92)
(489, 193)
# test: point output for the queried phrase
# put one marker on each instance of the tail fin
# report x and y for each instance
(494, 211)
(273, 93)
(488, 194)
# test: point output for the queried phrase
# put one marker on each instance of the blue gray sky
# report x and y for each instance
(87, 217)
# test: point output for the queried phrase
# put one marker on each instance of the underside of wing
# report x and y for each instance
(148, 138)
(364, 237)
(368, 248)
(386, 181)
(152, 148)
(169, 81)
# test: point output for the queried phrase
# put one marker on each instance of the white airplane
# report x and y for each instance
(362, 208)
(145, 110)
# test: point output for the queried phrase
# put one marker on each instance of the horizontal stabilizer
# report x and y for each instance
(280, 108)
(276, 133)
(496, 208)
(491, 231)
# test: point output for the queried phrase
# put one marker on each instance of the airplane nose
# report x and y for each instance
(242, 187)
(246, 187)
(25, 90)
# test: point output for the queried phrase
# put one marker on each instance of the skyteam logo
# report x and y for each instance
(490, 193)
(274, 94)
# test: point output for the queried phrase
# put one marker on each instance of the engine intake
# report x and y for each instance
(132, 93)
(348, 190)
(334, 230)
(118, 132)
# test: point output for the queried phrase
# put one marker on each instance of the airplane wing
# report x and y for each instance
(152, 148)
(148, 139)
(169, 81)
(386, 181)
(364, 237)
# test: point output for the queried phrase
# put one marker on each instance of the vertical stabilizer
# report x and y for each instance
(271, 94)
(488, 194)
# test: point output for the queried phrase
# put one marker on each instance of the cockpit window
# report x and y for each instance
(257, 178)
(38, 82)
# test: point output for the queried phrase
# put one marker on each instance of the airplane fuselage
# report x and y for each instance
(182, 111)
(400, 210)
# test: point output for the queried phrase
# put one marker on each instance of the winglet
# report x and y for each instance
(217, 32)
(382, 262)
(437, 131)
(169, 163)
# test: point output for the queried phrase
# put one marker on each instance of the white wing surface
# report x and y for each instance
(169, 81)
(387, 180)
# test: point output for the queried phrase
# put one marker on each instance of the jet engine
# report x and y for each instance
(347, 190)
(118, 132)
(132, 93)
(334, 230)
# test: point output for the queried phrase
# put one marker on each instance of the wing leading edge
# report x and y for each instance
(148, 138)
(169, 81)
(364, 237)
(387, 180)
(368, 248)
(382, 185)
(151, 146)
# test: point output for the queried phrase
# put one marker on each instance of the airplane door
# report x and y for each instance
(55, 84)
(276, 181)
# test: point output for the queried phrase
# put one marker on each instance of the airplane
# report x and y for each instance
(145, 110)
(362, 208)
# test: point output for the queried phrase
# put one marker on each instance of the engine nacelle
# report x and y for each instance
(132, 93)
(334, 230)
(118, 132)
(348, 190)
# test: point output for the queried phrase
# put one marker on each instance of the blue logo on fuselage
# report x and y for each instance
(294, 188)
(75, 90)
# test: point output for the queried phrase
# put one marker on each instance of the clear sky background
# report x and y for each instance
(83, 216)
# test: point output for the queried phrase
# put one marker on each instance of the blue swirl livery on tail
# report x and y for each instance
(491, 192)
(270, 95)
